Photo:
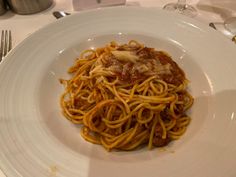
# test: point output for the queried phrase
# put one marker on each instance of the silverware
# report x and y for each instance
(6, 43)
(234, 39)
(220, 27)
(60, 14)
(212, 25)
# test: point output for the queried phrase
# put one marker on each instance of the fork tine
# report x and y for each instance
(10, 41)
(5, 43)
(1, 47)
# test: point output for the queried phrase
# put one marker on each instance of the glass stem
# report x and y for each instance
(181, 4)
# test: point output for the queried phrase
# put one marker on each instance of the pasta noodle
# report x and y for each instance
(125, 96)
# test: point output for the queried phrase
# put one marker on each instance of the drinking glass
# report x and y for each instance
(181, 7)
(230, 24)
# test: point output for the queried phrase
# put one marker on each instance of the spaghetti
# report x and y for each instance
(126, 96)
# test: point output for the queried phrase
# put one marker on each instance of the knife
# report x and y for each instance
(60, 14)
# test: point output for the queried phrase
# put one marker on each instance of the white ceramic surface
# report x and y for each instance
(36, 140)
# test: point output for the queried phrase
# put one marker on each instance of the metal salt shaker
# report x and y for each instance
(25, 7)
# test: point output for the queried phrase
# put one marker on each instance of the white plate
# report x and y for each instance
(36, 140)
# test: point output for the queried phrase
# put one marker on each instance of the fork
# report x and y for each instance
(6, 43)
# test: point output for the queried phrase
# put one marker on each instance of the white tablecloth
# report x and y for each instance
(24, 25)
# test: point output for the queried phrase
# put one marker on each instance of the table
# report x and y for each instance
(24, 25)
